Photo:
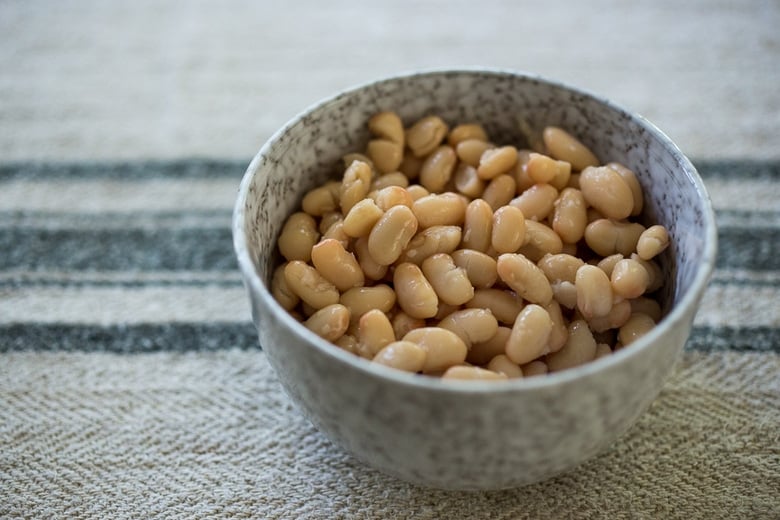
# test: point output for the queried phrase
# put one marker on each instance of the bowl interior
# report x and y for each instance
(514, 109)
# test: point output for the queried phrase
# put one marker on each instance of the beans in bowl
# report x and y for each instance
(439, 252)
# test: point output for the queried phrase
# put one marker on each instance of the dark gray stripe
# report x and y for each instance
(133, 339)
(234, 168)
(128, 170)
(743, 169)
(117, 249)
(128, 339)
(26, 283)
(752, 248)
(743, 339)
(211, 249)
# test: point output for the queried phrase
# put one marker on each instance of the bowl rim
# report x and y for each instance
(677, 315)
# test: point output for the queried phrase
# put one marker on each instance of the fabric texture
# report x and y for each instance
(131, 381)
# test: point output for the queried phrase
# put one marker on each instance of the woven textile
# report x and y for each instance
(131, 381)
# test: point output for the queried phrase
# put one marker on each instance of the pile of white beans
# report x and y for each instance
(441, 253)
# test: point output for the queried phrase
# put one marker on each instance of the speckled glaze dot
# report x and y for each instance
(472, 435)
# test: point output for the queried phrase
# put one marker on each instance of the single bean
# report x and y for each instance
(605, 190)
(416, 296)
(647, 306)
(391, 234)
(309, 285)
(562, 176)
(402, 355)
(536, 202)
(471, 150)
(360, 300)
(337, 265)
(607, 237)
(403, 323)
(471, 325)
(480, 268)
(565, 293)
(281, 291)
(499, 191)
(629, 279)
(387, 125)
(330, 322)
(636, 189)
(429, 241)
(530, 335)
(523, 181)
(352, 157)
(477, 226)
(656, 276)
(355, 185)
(559, 333)
(361, 218)
(447, 209)
(466, 131)
(425, 135)
(580, 348)
(652, 242)
(385, 154)
(450, 282)
(524, 277)
(607, 264)
(417, 192)
(594, 291)
(508, 229)
(565, 147)
(467, 181)
(541, 168)
(503, 365)
(637, 326)
(410, 166)
(542, 238)
(560, 267)
(534, 368)
(437, 169)
(298, 236)
(570, 215)
(375, 332)
(443, 348)
(465, 373)
(391, 196)
(390, 179)
(328, 219)
(482, 352)
(370, 267)
(614, 319)
(336, 232)
(319, 201)
(504, 305)
(496, 161)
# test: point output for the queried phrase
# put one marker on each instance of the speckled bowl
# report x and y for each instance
(455, 434)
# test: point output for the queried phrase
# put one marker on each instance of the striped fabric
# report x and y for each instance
(130, 374)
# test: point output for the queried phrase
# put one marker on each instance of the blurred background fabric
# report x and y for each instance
(131, 381)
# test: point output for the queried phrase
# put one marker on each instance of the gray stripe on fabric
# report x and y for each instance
(181, 337)
(124, 170)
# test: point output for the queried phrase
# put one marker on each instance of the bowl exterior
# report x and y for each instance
(450, 436)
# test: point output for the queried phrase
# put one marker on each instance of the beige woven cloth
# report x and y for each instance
(131, 385)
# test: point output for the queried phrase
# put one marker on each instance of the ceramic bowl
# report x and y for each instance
(464, 434)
